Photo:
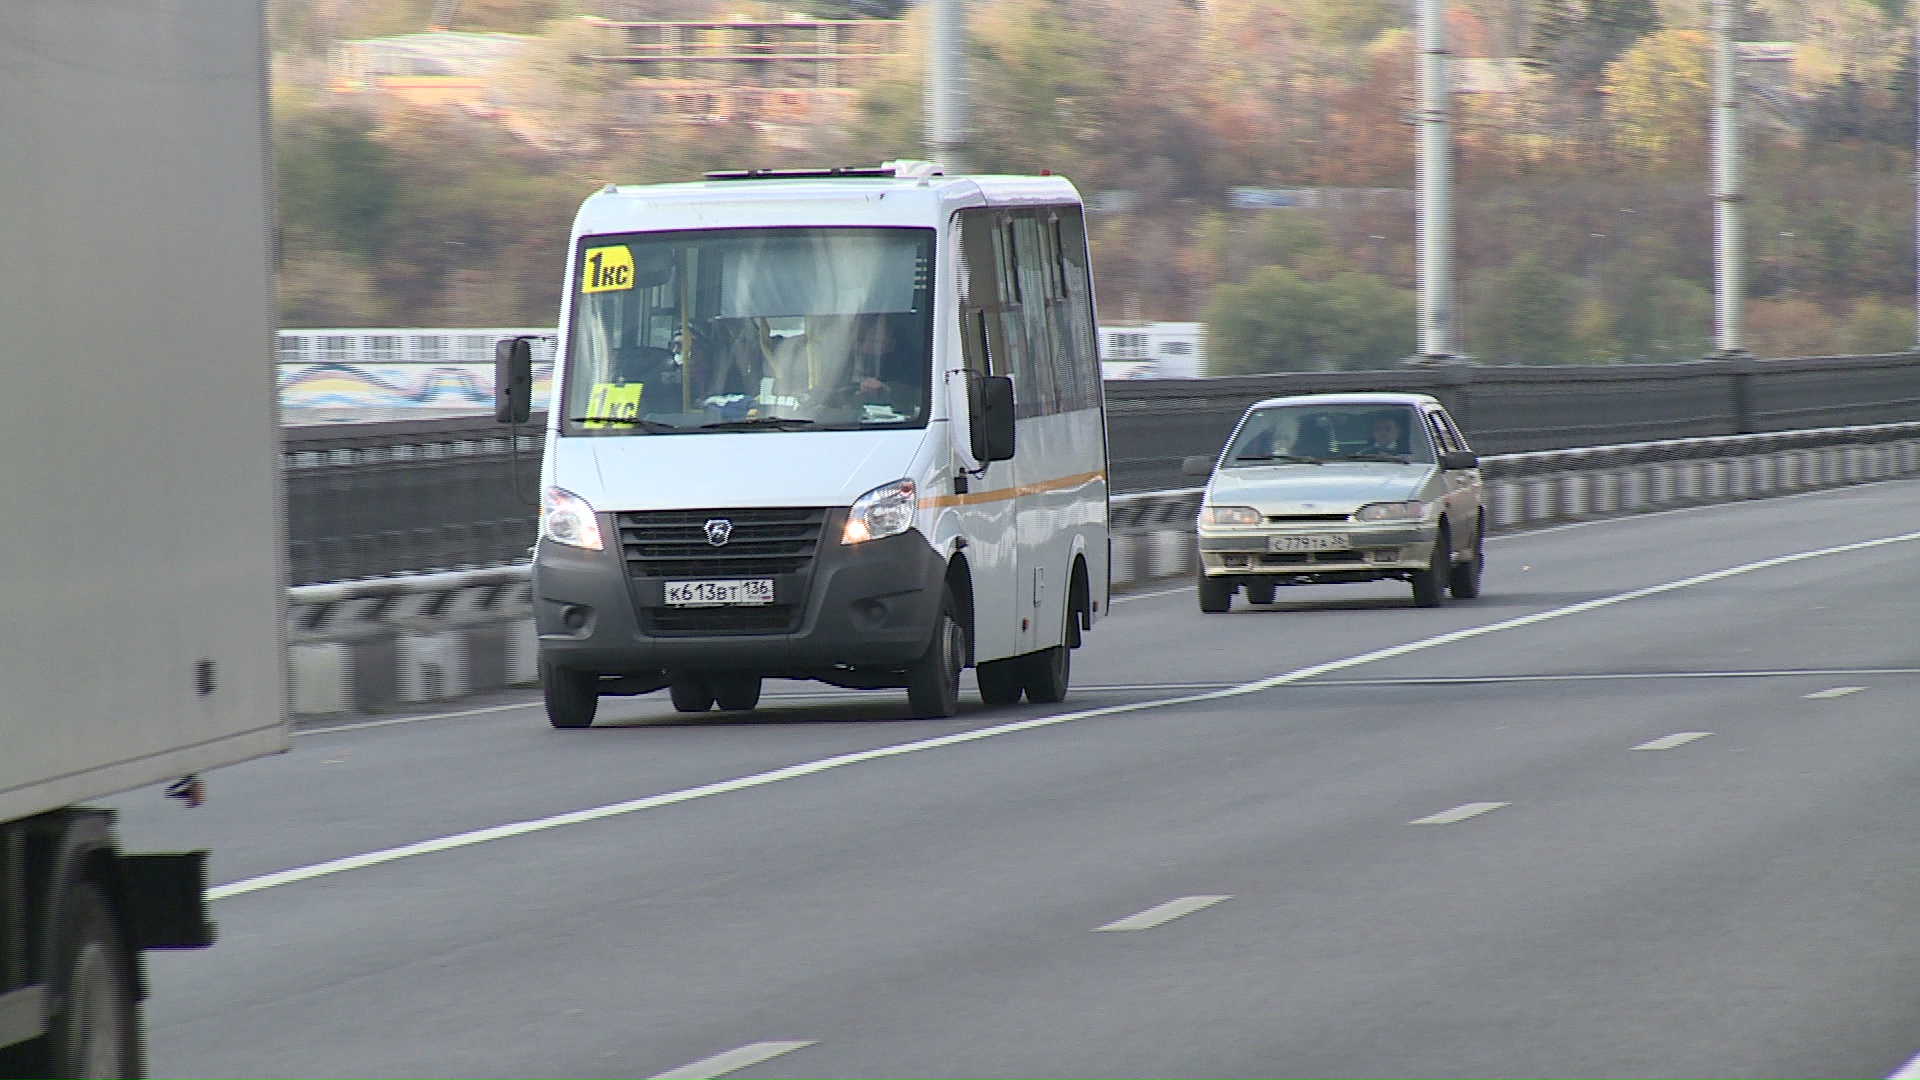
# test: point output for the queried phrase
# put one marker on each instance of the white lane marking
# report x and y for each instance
(1162, 913)
(1130, 597)
(1458, 813)
(1838, 691)
(1909, 1071)
(791, 772)
(415, 719)
(1627, 676)
(1668, 742)
(731, 1061)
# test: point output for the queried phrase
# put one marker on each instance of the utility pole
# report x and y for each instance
(1438, 311)
(946, 85)
(1729, 187)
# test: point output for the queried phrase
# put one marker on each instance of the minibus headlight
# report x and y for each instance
(1411, 510)
(566, 518)
(1229, 515)
(885, 511)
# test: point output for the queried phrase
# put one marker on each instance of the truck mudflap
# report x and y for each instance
(167, 900)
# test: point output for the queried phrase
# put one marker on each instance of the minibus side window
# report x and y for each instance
(1074, 341)
(980, 303)
(1040, 392)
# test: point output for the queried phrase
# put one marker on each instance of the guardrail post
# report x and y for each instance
(1741, 379)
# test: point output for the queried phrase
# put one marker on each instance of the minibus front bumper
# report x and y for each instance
(853, 614)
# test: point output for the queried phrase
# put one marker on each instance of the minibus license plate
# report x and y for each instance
(719, 593)
(1311, 542)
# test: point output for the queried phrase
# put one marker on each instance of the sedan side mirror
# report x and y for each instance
(1196, 466)
(1454, 460)
(992, 419)
(512, 380)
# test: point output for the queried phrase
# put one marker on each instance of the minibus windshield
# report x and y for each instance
(788, 329)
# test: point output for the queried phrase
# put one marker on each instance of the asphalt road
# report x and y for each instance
(774, 895)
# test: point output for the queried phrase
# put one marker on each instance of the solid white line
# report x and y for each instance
(1458, 813)
(731, 1061)
(1909, 1071)
(414, 719)
(1629, 676)
(1838, 691)
(1164, 913)
(791, 772)
(1668, 742)
(1129, 597)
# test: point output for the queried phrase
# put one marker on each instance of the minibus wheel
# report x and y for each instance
(933, 681)
(738, 693)
(572, 697)
(691, 693)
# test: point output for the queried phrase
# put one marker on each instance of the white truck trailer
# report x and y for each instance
(141, 559)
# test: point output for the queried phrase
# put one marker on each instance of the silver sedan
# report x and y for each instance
(1333, 488)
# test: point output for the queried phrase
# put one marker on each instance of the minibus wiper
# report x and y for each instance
(625, 421)
(758, 421)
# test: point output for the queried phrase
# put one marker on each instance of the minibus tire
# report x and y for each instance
(690, 694)
(933, 681)
(1001, 682)
(1048, 672)
(738, 693)
(572, 697)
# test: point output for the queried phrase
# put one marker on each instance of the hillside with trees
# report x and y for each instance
(1584, 224)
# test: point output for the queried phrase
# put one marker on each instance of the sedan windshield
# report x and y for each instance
(1317, 434)
(794, 329)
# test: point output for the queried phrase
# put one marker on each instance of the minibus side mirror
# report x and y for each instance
(993, 419)
(1454, 460)
(512, 380)
(1197, 466)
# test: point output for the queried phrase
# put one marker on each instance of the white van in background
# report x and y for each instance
(842, 425)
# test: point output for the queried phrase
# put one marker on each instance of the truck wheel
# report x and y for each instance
(572, 697)
(691, 693)
(1216, 596)
(739, 694)
(1001, 682)
(1430, 585)
(1465, 582)
(933, 681)
(95, 1032)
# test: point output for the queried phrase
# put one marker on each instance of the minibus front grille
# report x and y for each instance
(717, 621)
(760, 543)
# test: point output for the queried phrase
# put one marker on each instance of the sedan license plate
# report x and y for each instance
(1309, 542)
(748, 592)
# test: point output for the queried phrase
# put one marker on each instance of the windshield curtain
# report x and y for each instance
(738, 329)
(1290, 433)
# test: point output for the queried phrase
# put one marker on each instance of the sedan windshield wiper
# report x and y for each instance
(1395, 458)
(759, 421)
(626, 421)
(1294, 458)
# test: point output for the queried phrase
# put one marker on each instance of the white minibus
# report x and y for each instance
(842, 425)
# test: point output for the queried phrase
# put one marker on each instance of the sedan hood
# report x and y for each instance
(1333, 488)
(733, 469)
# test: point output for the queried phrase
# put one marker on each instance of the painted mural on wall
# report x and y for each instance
(442, 388)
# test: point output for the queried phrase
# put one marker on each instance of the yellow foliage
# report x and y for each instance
(1659, 93)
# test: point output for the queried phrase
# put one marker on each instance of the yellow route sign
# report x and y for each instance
(606, 269)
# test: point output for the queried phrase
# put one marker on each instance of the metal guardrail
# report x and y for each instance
(375, 499)
(423, 637)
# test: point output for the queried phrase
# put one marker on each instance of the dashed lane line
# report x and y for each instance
(1161, 914)
(732, 1061)
(1459, 813)
(1836, 692)
(1668, 742)
(810, 768)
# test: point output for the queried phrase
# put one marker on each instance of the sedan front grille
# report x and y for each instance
(763, 542)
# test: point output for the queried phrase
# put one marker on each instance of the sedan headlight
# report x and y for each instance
(1229, 515)
(885, 511)
(566, 518)
(1411, 510)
